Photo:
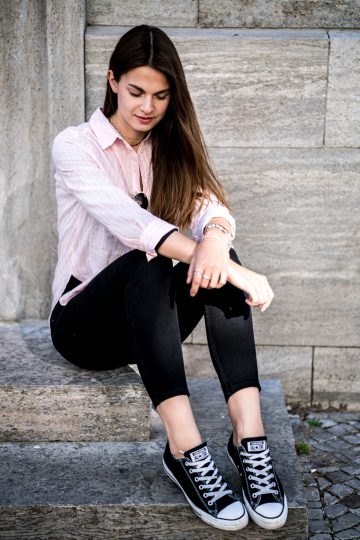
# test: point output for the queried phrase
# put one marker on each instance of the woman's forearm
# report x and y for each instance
(181, 248)
(178, 246)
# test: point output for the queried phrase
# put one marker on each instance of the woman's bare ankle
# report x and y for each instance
(238, 436)
(179, 422)
(179, 447)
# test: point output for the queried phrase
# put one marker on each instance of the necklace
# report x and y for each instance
(128, 139)
(140, 198)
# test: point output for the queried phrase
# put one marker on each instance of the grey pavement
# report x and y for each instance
(331, 471)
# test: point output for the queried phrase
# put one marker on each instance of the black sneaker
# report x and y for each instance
(263, 493)
(206, 492)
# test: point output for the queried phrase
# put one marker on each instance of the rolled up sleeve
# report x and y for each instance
(210, 209)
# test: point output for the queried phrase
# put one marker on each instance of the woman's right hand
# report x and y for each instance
(254, 284)
(180, 247)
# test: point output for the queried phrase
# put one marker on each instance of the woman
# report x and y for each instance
(127, 183)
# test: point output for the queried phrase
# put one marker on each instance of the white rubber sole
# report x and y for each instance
(275, 523)
(224, 524)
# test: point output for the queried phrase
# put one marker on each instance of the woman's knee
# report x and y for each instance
(157, 270)
(134, 266)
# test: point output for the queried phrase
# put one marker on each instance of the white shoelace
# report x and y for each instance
(260, 468)
(216, 489)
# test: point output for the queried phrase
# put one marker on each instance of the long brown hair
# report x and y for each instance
(181, 169)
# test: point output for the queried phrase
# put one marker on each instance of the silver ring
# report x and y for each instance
(197, 272)
(206, 277)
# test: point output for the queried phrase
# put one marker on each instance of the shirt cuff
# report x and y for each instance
(162, 240)
(153, 234)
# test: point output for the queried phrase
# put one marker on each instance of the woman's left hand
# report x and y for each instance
(209, 265)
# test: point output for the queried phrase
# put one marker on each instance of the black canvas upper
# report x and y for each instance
(186, 470)
(256, 446)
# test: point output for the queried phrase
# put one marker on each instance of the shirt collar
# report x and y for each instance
(102, 128)
(105, 133)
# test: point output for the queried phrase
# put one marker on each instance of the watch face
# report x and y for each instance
(142, 200)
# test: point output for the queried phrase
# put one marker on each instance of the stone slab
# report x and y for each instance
(298, 222)
(337, 377)
(46, 398)
(291, 365)
(199, 334)
(156, 12)
(24, 167)
(280, 13)
(343, 100)
(243, 95)
(217, 426)
(144, 522)
(198, 362)
(42, 91)
(89, 490)
(66, 23)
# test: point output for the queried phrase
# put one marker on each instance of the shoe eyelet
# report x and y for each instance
(252, 486)
(210, 503)
(196, 478)
(276, 492)
(205, 495)
(200, 487)
(191, 471)
(253, 496)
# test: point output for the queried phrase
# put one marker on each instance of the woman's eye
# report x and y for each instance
(160, 97)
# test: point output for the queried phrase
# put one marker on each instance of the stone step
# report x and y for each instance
(45, 398)
(56, 491)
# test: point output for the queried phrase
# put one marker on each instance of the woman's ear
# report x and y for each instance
(112, 81)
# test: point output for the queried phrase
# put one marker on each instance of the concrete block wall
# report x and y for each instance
(279, 111)
(227, 13)
(42, 92)
(276, 89)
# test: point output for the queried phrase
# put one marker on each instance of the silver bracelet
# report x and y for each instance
(218, 227)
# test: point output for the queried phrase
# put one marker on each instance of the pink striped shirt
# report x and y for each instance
(97, 173)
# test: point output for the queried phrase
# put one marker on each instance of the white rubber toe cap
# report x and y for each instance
(235, 510)
(270, 510)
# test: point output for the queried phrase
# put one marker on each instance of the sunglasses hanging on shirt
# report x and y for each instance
(142, 200)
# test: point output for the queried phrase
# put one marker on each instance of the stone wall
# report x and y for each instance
(42, 91)
(275, 85)
(227, 13)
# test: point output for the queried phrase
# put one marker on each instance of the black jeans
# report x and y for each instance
(135, 311)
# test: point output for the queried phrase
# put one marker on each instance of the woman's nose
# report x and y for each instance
(147, 105)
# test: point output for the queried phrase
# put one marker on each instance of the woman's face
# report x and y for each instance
(143, 96)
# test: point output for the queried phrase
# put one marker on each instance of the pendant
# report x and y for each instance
(142, 200)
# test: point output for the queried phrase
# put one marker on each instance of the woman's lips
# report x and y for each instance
(144, 119)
